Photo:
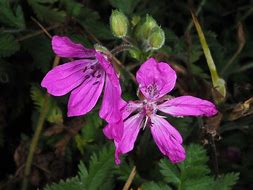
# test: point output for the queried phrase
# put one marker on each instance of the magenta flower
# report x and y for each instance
(85, 79)
(155, 81)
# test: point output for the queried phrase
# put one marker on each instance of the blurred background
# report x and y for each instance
(219, 149)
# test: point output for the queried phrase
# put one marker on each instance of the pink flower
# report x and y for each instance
(155, 81)
(84, 78)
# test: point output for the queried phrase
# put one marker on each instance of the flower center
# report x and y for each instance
(93, 71)
(149, 108)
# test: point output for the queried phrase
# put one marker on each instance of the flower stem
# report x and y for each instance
(130, 179)
(35, 141)
(37, 134)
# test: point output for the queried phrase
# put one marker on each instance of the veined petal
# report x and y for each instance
(110, 109)
(188, 106)
(130, 107)
(132, 127)
(64, 47)
(114, 131)
(108, 68)
(85, 97)
(63, 78)
(168, 139)
(155, 79)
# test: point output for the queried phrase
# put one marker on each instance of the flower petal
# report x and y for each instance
(188, 106)
(132, 127)
(85, 97)
(110, 108)
(64, 47)
(168, 139)
(155, 79)
(63, 78)
(111, 130)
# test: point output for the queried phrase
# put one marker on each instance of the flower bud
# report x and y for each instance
(143, 30)
(156, 38)
(100, 48)
(119, 24)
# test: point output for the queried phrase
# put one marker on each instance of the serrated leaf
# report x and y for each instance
(225, 182)
(195, 162)
(154, 186)
(8, 45)
(205, 182)
(100, 167)
(54, 114)
(70, 184)
(98, 177)
(44, 13)
(41, 52)
(83, 172)
(169, 171)
(10, 17)
(193, 173)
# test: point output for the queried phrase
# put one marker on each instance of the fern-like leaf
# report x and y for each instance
(8, 45)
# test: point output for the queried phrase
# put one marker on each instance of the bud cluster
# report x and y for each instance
(147, 33)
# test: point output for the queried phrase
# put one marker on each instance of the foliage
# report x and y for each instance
(8, 45)
(193, 173)
(161, 29)
(98, 176)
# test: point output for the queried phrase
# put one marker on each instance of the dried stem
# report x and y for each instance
(37, 33)
(42, 27)
(130, 179)
(213, 149)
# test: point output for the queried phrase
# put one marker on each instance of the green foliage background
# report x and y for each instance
(72, 152)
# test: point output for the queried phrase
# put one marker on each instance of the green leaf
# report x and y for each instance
(69, 184)
(169, 171)
(194, 165)
(8, 45)
(101, 166)
(44, 13)
(193, 173)
(225, 182)
(204, 182)
(126, 6)
(10, 17)
(98, 177)
(41, 52)
(154, 186)
(218, 83)
(54, 114)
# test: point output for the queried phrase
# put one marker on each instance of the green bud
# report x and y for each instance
(100, 48)
(143, 30)
(135, 20)
(119, 24)
(135, 53)
(156, 38)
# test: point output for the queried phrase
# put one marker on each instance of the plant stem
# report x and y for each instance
(202, 3)
(130, 179)
(35, 141)
(37, 134)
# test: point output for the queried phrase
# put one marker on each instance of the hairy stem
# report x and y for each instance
(35, 141)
